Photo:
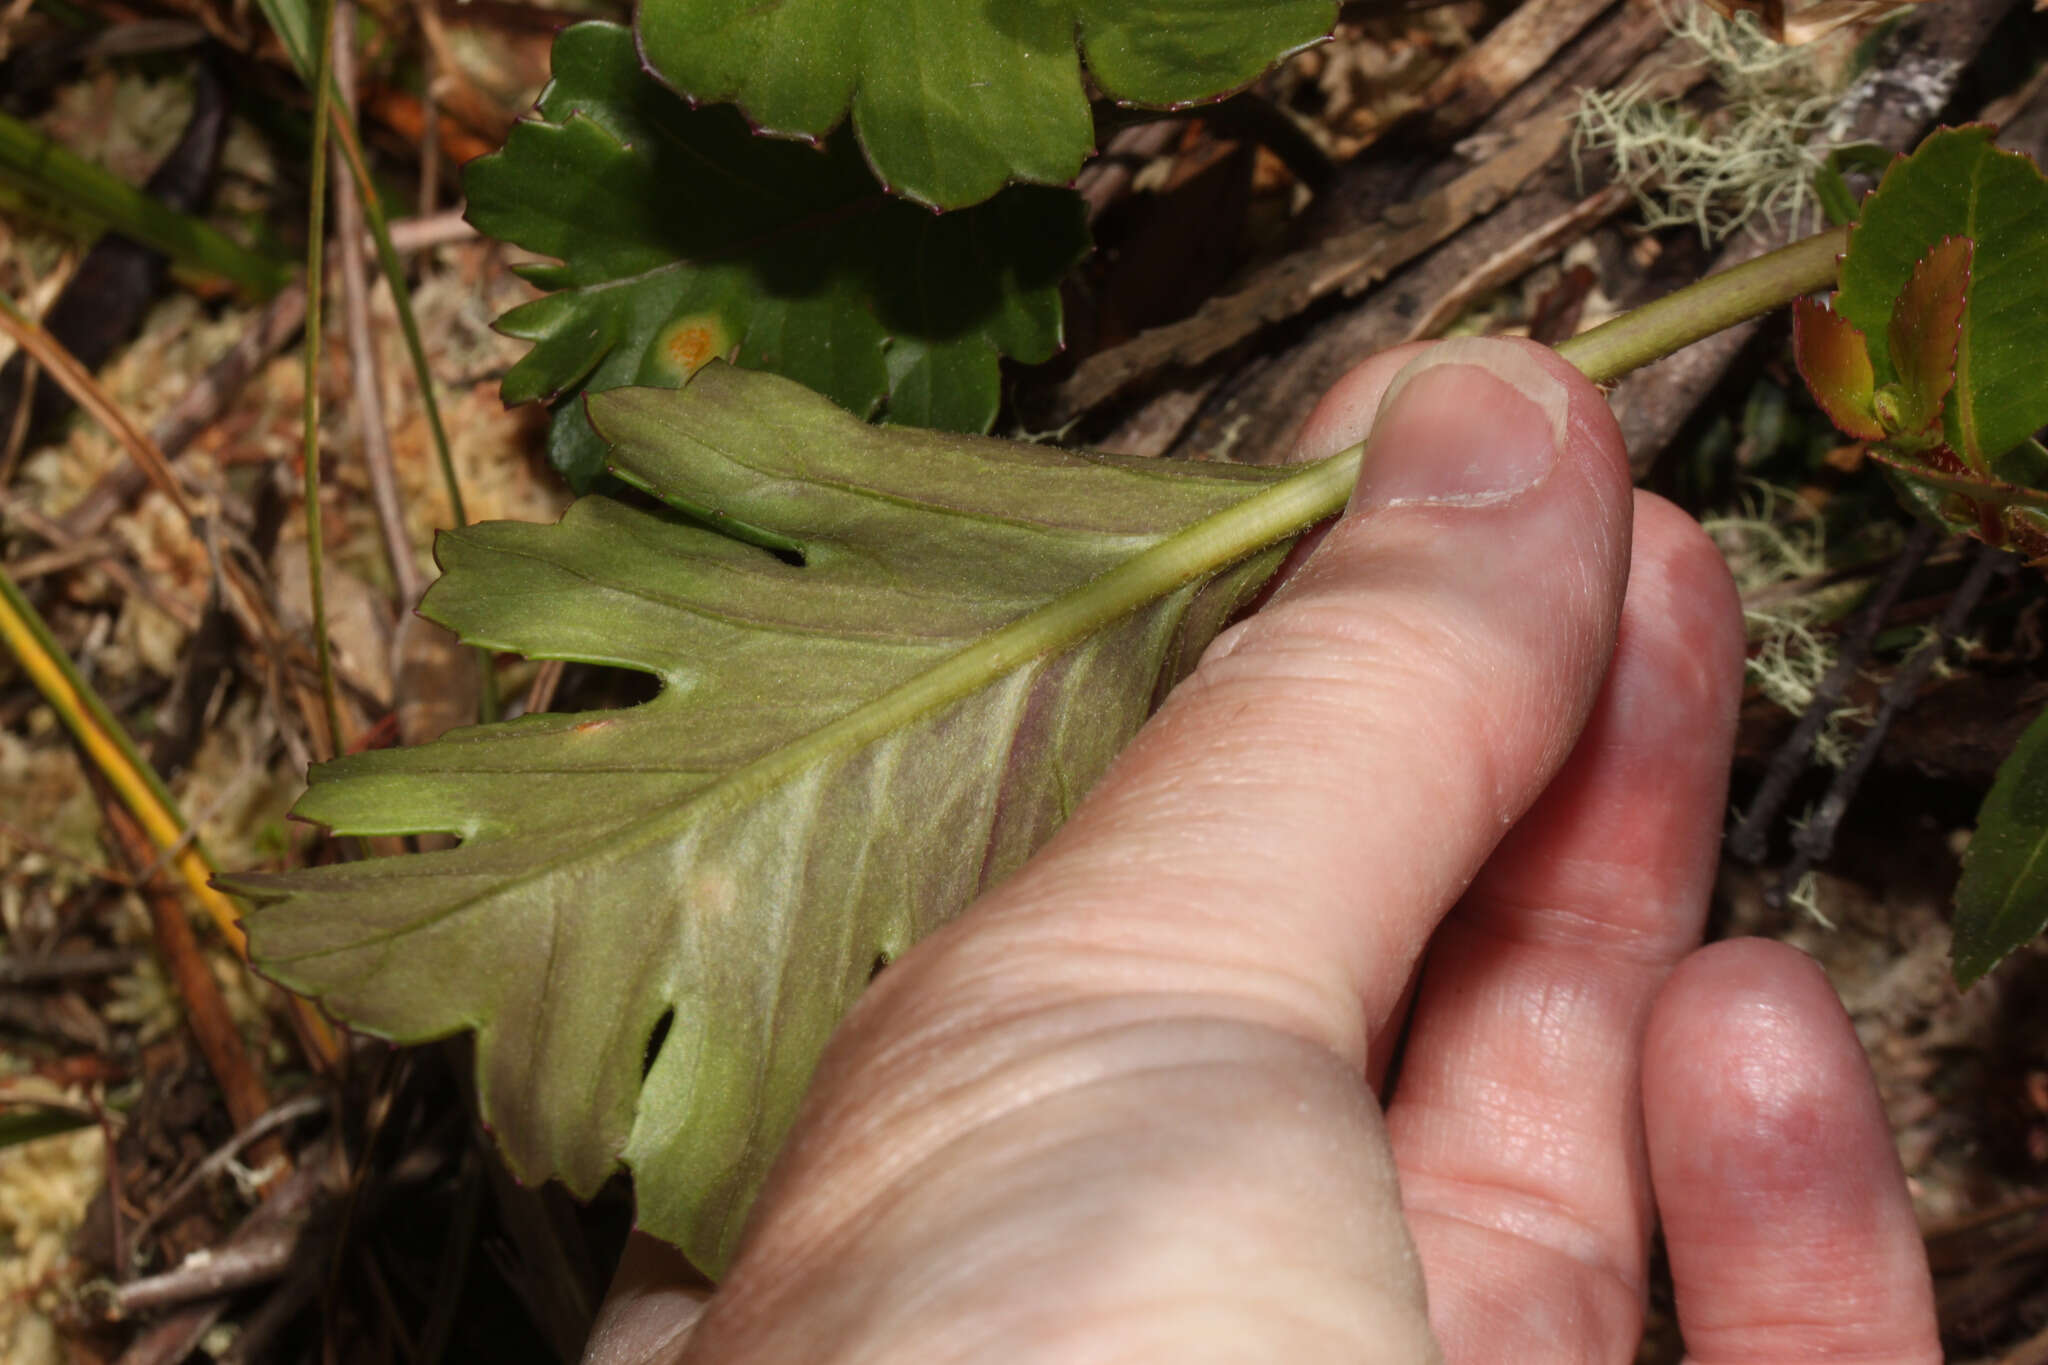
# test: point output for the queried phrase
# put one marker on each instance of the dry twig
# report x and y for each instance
(1751, 839)
(1816, 839)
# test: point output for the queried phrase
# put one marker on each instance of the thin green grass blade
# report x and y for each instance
(38, 167)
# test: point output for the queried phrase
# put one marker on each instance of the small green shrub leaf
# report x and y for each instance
(1926, 323)
(844, 752)
(1957, 184)
(2002, 903)
(1835, 362)
(955, 98)
(682, 237)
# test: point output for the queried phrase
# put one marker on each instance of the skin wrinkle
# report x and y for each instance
(1016, 1060)
(1051, 1140)
(1531, 1190)
(1549, 923)
(1564, 1316)
(1272, 992)
(1404, 669)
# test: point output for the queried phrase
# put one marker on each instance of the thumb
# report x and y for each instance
(1314, 797)
(1117, 1111)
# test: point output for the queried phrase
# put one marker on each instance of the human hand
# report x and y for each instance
(1124, 1108)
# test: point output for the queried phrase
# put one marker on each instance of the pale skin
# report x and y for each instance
(1129, 1107)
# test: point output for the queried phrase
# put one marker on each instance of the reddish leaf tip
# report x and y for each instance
(1926, 327)
(1834, 359)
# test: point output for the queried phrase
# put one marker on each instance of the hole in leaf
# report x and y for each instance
(654, 1041)
(603, 687)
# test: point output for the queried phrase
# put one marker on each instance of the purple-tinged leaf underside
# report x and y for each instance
(844, 752)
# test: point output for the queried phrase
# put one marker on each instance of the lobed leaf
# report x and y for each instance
(844, 752)
(1957, 184)
(2002, 903)
(952, 99)
(681, 236)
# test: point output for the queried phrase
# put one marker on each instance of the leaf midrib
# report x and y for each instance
(1190, 554)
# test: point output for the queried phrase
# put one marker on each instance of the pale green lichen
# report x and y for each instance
(1774, 539)
(1749, 163)
(1805, 898)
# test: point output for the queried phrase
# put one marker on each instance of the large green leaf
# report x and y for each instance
(682, 236)
(2002, 903)
(1957, 184)
(845, 750)
(954, 98)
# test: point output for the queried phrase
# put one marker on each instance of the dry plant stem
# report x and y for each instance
(1105, 179)
(241, 593)
(197, 408)
(541, 695)
(1518, 257)
(65, 1020)
(1514, 50)
(173, 1340)
(401, 297)
(16, 970)
(15, 438)
(429, 230)
(11, 833)
(291, 1111)
(430, 104)
(1349, 263)
(259, 1251)
(112, 752)
(453, 1269)
(86, 391)
(205, 1010)
(316, 272)
(117, 1198)
(257, 1334)
(202, 404)
(112, 561)
(1751, 839)
(1816, 840)
(367, 390)
(1253, 412)
(393, 1342)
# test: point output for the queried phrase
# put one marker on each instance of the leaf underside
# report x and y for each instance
(1835, 363)
(1957, 184)
(2002, 903)
(737, 854)
(682, 237)
(954, 98)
